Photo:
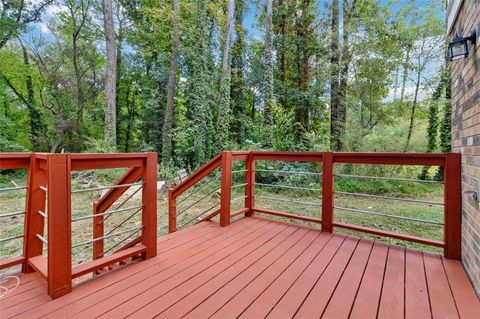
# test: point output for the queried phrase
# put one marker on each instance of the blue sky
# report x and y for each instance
(255, 8)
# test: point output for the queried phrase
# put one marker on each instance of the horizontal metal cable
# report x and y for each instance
(390, 178)
(104, 237)
(238, 198)
(107, 213)
(391, 198)
(388, 215)
(10, 238)
(289, 200)
(118, 243)
(45, 241)
(11, 214)
(43, 214)
(289, 187)
(199, 215)
(195, 203)
(123, 203)
(123, 222)
(105, 187)
(240, 171)
(239, 185)
(199, 189)
(7, 189)
(288, 172)
(43, 188)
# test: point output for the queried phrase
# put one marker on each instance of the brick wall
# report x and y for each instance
(466, 135)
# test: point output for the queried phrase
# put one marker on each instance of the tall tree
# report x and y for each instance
(268, 96)
(237, 90)
(224, 103)
(110, 74)
(172, 79)
(304, 50)
(198, 95)
(336, 127)
(282, 22)
(78, 16)
(37, 127)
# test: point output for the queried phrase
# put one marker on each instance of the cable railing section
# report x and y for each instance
(185, 200)
(12, 243)
(334, 192)
(49, 221)
(291, 190)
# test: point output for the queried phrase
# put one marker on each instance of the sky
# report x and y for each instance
(255, 8)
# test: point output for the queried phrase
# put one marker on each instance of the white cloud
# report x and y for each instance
(44, 28)
(409, 93)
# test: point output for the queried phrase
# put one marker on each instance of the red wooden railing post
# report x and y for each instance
(149, 212)
(453, 206)
(327, 192)
(172, 211)
(59, 226)
(250, 187)
(226, 188)
(98, 231)
(35, 201)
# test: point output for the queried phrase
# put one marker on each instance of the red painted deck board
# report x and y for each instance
(263, 295)
(215, 275)
(342, 300)
(268, 267)
(393, 290)
(442, 302)
(319, 296)
(368, 295)
(417, 304)
(256, 268)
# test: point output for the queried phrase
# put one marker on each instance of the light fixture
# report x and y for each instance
(458, 47)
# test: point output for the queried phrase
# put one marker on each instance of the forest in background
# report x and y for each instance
(190, 78)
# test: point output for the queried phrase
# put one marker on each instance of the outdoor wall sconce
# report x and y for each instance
(458, 47)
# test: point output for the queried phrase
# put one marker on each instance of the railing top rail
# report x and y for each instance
(288, 156)
(80, 156)
(200, 173)
(15, 160)
(15, 155)
(427, 159)
(87, 161)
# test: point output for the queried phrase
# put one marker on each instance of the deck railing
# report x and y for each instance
(49, 202)
(325, 163)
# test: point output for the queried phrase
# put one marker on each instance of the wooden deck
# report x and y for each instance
(258, 268)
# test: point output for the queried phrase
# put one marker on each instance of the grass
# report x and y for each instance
(82, 206)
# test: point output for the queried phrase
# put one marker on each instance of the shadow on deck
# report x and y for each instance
(258, 268)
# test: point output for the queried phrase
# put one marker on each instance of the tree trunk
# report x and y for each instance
(130, 105)
(172, 80)
(35, 120)
(405, 74)
(110, 75)
(344, 65)
(224, 105)
(335, 125)
(237, 87)
(412, 113)
(303, 68)
(119, 71)
(76, 30)
(282, 66)
(268, 56)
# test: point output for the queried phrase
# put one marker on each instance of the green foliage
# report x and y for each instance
(278, 95)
